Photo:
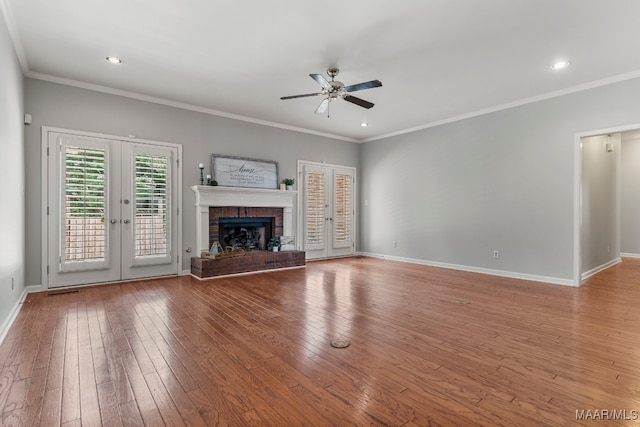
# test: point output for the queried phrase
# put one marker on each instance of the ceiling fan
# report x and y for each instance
(334, 89)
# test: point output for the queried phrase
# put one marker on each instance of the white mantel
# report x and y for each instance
(216, 196)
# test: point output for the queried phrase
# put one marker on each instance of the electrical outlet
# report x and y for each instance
(496, 254)
(394, 244)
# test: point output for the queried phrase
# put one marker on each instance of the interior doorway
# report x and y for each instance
(600, 203)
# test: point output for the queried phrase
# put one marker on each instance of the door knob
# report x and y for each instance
(113, 221)
(126, 221)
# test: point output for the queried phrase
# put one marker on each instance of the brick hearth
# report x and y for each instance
(249, 262)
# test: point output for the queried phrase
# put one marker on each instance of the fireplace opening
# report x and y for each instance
(245, 233)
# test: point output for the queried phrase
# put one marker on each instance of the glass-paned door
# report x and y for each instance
(148, 200)
(328, 211)
(109, 205)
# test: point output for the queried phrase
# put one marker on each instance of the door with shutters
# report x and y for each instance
(112, 209)
(327, 210)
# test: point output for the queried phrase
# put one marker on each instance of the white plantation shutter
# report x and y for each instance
(342, 209)
(151, 203)
(315, 209)
(84, 204)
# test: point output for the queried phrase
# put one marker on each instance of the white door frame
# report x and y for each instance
(577, 187)
(45, 186)
(300, 201)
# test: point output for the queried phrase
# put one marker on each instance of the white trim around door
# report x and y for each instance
(111, 208)
(326, 210)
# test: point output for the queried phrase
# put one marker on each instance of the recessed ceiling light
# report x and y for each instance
(364, 124)
(560, 65)
(113, 60)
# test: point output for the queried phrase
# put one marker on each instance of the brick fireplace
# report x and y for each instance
(244, 216)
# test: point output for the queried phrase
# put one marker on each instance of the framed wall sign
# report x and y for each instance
(240, 172)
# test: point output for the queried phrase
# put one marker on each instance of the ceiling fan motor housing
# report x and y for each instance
(332, 72)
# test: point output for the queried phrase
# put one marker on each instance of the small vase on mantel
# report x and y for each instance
(288, 182)
(283, 186)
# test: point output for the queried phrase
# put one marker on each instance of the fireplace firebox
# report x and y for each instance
(245, 233)
(239, 225)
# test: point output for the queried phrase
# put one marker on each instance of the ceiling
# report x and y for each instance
(438, 60)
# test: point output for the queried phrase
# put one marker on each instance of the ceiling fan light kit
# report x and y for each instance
(334, 89)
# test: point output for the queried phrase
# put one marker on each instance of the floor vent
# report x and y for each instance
(62, 292)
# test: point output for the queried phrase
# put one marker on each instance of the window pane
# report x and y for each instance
(151, 228)
(84, 204)
(343, 208)
(315, 208)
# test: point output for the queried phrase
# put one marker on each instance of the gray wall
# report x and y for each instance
(630, 185)
(600, 193)
(200, 135)
(12, 225)
(502, 181)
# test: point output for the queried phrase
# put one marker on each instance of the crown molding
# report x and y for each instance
(181, 105)
(185, 106)
(5, 10)
(574, 89)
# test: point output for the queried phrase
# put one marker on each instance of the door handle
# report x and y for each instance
(113, 221)
(126, 221)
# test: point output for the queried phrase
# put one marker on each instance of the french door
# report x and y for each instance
(112, 209)
(327, 195)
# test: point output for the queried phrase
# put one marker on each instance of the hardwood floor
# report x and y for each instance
(428, 347)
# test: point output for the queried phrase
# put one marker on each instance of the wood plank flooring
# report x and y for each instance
(429, 347)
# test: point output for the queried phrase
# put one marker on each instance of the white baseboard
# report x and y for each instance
(34, 288)
(185, 272)
(630, 255)
(492, 272)
(600, 268)
(4, 330)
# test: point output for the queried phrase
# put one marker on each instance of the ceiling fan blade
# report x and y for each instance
(323, 106)
(362, 86)
(358, 101)
(301, 96)
(320, 79)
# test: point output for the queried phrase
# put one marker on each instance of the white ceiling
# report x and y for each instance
(437, 59)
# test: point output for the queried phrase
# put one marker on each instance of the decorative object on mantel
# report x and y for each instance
(288, 182)
(287, 243)
(201, 167)
(273, 245)
(213, 183)
(208, 179)
(241, 172)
